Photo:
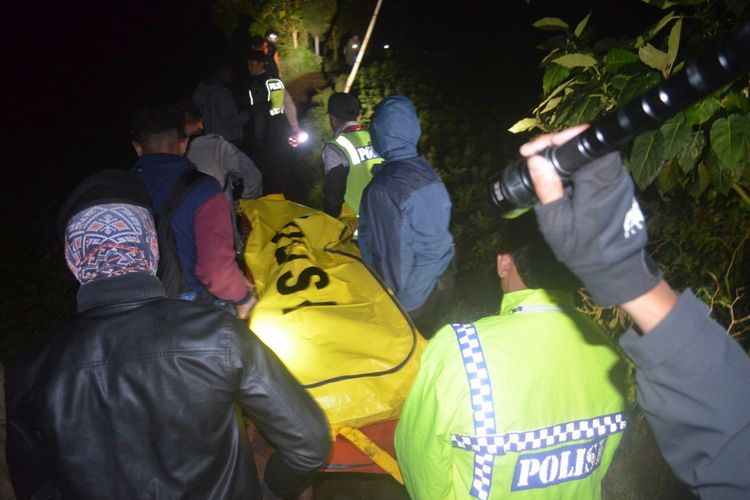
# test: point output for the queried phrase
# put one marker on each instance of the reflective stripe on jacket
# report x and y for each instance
(269, 98)
(357, 147)
(544, 423)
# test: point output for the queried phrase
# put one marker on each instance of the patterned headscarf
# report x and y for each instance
(110, 240)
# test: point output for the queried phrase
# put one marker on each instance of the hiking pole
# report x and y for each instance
(512, 191)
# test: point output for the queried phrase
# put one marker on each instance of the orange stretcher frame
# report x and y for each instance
(367, 450)
(346, 457)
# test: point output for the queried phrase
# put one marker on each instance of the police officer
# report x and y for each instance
(525, 404)
(348, 158)
(273, 62)
(273, 120)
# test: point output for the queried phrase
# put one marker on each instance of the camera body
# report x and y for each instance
(512, 191)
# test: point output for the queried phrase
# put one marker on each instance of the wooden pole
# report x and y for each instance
(361, 53)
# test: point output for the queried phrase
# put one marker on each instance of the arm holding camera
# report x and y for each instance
(692, 377)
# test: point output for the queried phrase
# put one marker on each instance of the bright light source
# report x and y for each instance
(302, 136)
(355, 46)
(386, 46)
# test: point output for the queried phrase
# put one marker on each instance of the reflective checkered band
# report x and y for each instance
(482, 406)
(501, 444)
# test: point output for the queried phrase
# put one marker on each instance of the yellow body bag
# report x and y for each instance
(328, 317)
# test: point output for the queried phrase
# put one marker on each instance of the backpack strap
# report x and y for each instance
(170, 272)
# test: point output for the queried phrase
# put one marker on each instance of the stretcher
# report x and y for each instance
(336, 326)
(367, 450)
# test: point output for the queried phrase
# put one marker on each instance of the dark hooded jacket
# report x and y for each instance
(405, 210)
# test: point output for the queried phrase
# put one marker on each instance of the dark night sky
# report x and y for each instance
(82, 66)
(75, 71)
(83, 63)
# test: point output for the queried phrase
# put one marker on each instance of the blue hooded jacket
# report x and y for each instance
(405, 210)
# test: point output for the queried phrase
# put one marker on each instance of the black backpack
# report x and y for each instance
(170, 271)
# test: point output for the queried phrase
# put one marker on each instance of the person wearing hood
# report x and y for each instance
(405, 216)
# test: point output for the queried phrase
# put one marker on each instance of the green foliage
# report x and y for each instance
(705, 247)
(296, 62)
(284, 16)
(317, 15)
(704, 148)
(699, 160)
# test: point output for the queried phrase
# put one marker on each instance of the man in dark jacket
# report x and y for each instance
(137, 395)
(404, 216)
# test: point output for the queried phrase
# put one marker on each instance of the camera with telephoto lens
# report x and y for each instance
(512, 191)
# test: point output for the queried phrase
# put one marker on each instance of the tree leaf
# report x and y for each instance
(653, 57)
(729, 140)
(701, 111)
(734, 101)
(620, 81)
(581, 26)
(553, 75)
(586, 111)
(702, 181)
(661, 24)
(617, 58)
(551, 104)
(575, 61)
(665, 4)
(673, 44)
(555, 42)
(551, 23)
(667, 179)
(524, 125)
(560, 88)
(638, 85)
(645, 158)
(675, 134)
(692, 151)
(720, 176)
(580, 107)
(662, 4)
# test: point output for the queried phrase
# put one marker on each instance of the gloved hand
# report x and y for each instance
(596, 227)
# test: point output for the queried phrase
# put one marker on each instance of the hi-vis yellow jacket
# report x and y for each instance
(524, 405)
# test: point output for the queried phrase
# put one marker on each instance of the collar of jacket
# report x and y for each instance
(131, 287)
(351, 126)
(161, 161)
(536, 300)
